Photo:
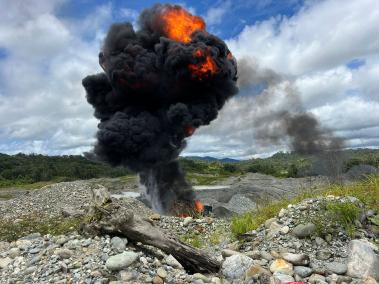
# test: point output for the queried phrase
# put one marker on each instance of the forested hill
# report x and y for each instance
(23, 169)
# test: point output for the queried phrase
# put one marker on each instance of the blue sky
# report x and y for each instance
(235, 15)
(323, 51)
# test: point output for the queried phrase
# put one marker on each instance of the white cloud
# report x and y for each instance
(42, 103)
(319, 37)
(215, 14)
(310, 49)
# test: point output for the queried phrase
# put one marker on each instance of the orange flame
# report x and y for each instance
(203, 68)
(199, 206)
(179, 25)
(189, 130)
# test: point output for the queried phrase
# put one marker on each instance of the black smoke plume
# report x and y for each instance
(281, 118)
(154, 92)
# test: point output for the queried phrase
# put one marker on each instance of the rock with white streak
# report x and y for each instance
(363, 261)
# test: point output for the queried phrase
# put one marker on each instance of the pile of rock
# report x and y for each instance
(67, 199)
(75, 259)
(287, 248)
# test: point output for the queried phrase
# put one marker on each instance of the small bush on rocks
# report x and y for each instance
(344, 213)
(193, 240)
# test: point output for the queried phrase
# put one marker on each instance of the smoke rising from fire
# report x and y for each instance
(160, 83)
(281, 114)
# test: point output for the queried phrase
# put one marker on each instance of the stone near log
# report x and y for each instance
(201, 277)
(157, 280)
(362, 261)
(155, 217)
(71, 212)
(161, 273)
(235, 266)
(120, 261)
(170, 260)
(119, 244)
(228, 252)
(254, 254)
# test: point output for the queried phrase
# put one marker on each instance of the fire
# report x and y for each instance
(204, 68)
(179, 25)
(199, 207)
(189, 130)
(184, 210)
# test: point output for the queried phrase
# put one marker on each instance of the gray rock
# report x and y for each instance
(61, 241)
(317, 279)
(14, 252)
(269, 222)
(254, 254)
(32, 236)
(280, 278)
(72, 212)
(4, 262)
(284, 230)
(228, 252)
(170, 260)
(161, 273)
(86, 243)
(303, 271)
(323, 254)
(363, 261)
(235, 266)
(63, 253)
(320, 242)
(120, 261)
(297, 259)
(336, 267)
(201, 277)
(187, 221)
(119, 244)
(304, 230)
(266, 255)
(35, 250)
(274, 229)
(30, 270)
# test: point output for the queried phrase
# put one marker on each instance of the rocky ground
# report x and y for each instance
(305, 242)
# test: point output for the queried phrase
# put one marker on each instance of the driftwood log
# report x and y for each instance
(109, 216)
